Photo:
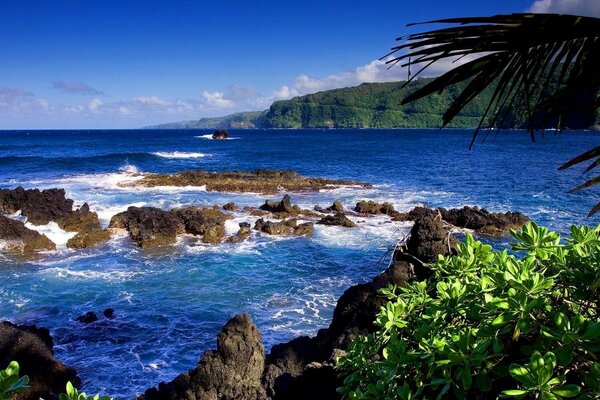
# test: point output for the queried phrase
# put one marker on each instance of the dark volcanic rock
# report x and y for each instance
(483, 221)
(229, 206)
(284, 206)
(275, 228)
(17, 238)
(149, 226)
(220, 134)
(242, 234)
(32, 348)
(336, 207)
(415, 214)
(40, 207)
(371, 207)
(209, 222)
(232, 372)
(305, 229)
(428, 238)
(109, 313)
(80, 220)
(88, 317)
(338, 219)
(88, 239)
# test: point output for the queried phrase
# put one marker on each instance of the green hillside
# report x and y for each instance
(247, 119)
(370, 105)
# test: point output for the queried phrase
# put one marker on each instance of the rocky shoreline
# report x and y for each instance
(238, 368)
(150, 226)
(263, 181)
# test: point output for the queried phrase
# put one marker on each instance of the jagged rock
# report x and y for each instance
(283, 206)
(88, 239)
(17, 238)
(274, 228)
(198, 220)
(32, 348)
(232, 372)
(304, 229)
(242, 234)
(415, 214)
(336, 207)
(338, 219)
(220, 134)
(80, 220)
(229, 206)
(428, 238)
(371, 207)
(483, 221)
(149, 226)
(87, 318)
(40, 207)
(214, 234)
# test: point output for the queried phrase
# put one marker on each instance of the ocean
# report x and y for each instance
(171, 302)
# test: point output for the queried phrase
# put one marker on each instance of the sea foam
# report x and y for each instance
(178, 154)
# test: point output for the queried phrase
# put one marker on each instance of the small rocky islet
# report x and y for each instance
(239, 368)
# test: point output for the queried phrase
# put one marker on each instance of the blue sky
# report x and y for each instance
(125, 64)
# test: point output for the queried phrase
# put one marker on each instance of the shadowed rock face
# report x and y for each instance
(41, 207)
(428, 238)
(284, 206)
(259, 181)
(483, 221)
(371, 207)
(338, 219)
(220, 134)
(18, 238)
(232, 372)
(149, 226)
(32, 347)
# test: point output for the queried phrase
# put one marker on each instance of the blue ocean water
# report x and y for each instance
(170, 303)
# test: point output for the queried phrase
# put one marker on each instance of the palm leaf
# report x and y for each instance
(545, 64)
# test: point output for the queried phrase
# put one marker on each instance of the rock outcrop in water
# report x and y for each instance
(304, 367)
(371, 207)
(149, 226)
(262, 181)
(231, 372)
(42, 207)
(207, 222)
(17, 238)
(338, 219)
(220, 134)
(51, 205)
(479, 219)
(32, 348)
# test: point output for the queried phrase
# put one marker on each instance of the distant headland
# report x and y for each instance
(369, 105)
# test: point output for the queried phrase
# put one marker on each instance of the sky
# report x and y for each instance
(101, 64)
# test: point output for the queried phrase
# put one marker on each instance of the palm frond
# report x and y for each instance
(544, 66)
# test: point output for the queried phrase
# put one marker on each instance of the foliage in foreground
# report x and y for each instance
(489, 324)
(11, 384)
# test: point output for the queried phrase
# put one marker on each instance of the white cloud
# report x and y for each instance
(95, 104)
(576, 7)
(241, 92)
(152, 100)
(217, 100)
(375, 71)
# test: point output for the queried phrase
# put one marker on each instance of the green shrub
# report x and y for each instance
(489, 324)
(10, 382)
(73, 394)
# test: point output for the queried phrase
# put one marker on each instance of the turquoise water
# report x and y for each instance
(171, 303)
